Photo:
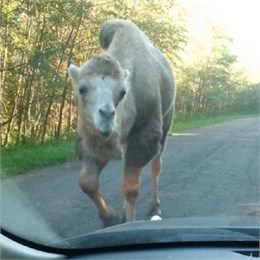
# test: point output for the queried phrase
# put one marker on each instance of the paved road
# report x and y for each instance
(213, 172)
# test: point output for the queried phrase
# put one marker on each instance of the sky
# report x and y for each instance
(238, 18)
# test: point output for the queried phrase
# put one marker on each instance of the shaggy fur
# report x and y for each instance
(152, 87)
(104, 65)
(143, 88)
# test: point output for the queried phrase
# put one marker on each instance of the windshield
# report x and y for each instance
(122, 112)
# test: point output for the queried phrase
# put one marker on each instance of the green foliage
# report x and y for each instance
(41, 39)
(22, 159)
(213, 84)
(202, 119)
(247, 99)
(17, 160)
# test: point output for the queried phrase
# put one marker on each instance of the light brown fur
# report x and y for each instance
(126, 101)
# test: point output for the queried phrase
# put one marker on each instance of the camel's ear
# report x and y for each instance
(126, 79)
(126, 74)
(73, 73)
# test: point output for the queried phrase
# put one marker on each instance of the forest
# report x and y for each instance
(39, 39)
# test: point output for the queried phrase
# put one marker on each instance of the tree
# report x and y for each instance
(211, 83)
(40, 40)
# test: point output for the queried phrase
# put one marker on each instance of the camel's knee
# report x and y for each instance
(130, 193)
(130, 190)
(90, 187)
(131, 187)
(156, 166)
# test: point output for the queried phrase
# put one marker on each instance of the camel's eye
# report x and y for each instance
(122, 93)
(83, 90)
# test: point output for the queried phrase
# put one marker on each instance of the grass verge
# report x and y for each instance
(185, 123)
(21, 159)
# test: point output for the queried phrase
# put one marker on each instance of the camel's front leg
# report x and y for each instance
(131, 185)
(89, 183)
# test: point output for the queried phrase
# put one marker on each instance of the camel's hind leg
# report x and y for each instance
(155, 174)
(156, 167)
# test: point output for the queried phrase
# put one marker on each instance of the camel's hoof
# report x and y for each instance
(112, 220)
(154, 210)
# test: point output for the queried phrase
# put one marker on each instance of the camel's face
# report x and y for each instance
(99, 96)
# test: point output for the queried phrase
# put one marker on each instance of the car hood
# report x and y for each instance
(176, 230)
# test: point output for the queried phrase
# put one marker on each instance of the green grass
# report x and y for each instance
(185, 123)
(22, 159)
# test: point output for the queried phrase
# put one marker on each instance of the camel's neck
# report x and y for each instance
(94, 144)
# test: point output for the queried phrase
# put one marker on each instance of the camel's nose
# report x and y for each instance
(107, 111)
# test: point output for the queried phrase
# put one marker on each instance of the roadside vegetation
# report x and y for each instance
(186, 123)
(41, 39)
(19, 160)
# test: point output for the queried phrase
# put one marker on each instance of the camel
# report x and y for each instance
(125, 98)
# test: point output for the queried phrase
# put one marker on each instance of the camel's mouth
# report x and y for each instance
(106, 130)
(106, 134)
(105, 127)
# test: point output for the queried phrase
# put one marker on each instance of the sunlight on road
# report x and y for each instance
(184, 134)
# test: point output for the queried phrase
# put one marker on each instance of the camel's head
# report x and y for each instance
(99, 86)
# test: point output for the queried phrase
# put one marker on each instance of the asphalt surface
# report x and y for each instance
(210, 172)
